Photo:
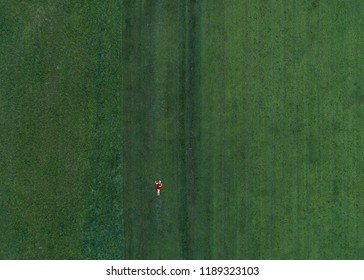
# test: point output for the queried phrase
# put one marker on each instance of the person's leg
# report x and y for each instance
(158, 191)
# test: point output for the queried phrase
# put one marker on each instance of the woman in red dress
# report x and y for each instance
(159, 186)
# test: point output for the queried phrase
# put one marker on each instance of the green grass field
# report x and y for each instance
(250, 112)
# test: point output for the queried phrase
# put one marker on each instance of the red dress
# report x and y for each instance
(159, 186)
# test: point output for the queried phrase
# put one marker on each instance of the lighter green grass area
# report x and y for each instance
(281, 133)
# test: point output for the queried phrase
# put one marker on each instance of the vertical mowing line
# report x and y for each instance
(344, 200)
(227, 252)
(298, 183)
(222, 157)
(189, 133)
(187, 87)
(183, 209)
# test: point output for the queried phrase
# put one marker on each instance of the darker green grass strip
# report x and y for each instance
(189, 122)
(138, 93)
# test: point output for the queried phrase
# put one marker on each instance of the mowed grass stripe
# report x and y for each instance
(294, 128)
(138, 127)
(49, 122)
(104, 229)
(157, 110)
(190, 123)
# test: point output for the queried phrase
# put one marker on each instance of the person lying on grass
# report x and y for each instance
(159, 186)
